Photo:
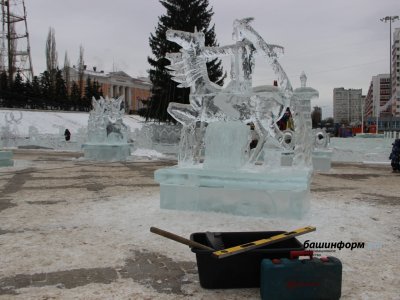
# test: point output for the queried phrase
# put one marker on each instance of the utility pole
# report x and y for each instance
(390, 19)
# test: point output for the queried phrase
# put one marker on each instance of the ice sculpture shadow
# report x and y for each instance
(107, 134)
(216, 169)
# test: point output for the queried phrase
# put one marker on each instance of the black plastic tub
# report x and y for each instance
(241, 270)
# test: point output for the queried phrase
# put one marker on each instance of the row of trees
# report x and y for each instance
(53, 89)
(43, 93)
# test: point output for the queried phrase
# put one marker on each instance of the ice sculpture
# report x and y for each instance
(8, 137)
(316, 150)
(216, 169)
(163, 138)
(107, 134)
(322, 154)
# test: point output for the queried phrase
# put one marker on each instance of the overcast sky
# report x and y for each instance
(339, 43)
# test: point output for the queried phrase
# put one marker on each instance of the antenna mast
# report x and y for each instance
(15, 53)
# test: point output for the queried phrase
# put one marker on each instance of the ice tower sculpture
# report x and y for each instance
(217, 170)
(107, 134)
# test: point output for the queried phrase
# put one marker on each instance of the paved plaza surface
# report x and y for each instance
(74, 229)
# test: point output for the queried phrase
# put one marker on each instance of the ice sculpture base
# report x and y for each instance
(106, 152)
(6, 159)
(322, 160)
(283, 192)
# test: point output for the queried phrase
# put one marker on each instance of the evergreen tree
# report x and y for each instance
(61, 90)
(46, 89)
(28, 93)
(3, 81)
(37, 100)
(75, 96)
(181, 15)
(18, 91)
(88, 89)
(4, 91)
(97, 90)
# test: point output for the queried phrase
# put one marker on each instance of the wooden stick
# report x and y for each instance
(179, 239)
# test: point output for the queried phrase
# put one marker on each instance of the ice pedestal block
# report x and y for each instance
(106, 152)
(226, 145)
(287, 158)
(322, 160)
(6, 159)
(278, 193)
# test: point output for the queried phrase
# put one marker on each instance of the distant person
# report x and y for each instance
(67, 135)
(395, 156)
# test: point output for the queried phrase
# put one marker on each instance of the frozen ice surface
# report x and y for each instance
(322, 160)
(226, 145)
(238, 101)
(6, 158)
(107, 152)
(281, 193)
(215, 124)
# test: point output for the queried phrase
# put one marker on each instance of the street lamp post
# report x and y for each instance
(389, 19)
(362, 114)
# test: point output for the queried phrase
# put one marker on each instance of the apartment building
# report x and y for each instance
(347, 105)
(395, 109)
(376, 101)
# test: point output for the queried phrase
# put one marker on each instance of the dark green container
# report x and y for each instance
(306, 279)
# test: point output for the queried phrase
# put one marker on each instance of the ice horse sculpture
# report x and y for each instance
(107, 134)
(216, 169)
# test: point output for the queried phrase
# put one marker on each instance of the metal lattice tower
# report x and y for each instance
(15, 54)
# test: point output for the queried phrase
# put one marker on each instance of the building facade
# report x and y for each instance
(136, 91)
(347, 105)
(396, 73)
(377, 99)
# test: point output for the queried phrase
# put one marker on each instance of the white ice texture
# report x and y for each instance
(107, 133)
(239, 101)
(216, 169)
(229, 150)
(105, 124)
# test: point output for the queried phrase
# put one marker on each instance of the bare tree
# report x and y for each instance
(51, 55)
(81, 69)
(66, 73)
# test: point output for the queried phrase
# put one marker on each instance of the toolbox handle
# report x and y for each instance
(296, 254)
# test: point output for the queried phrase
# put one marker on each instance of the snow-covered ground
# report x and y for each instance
(68, 219)
(50, 122)
(375, 150)
(62, 218)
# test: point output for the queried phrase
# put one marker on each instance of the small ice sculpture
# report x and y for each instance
(105, 123)
(8, 137)
(230, 177)
(107, 133)
(10, 132)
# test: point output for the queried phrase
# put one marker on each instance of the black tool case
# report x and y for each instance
(240, 270)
